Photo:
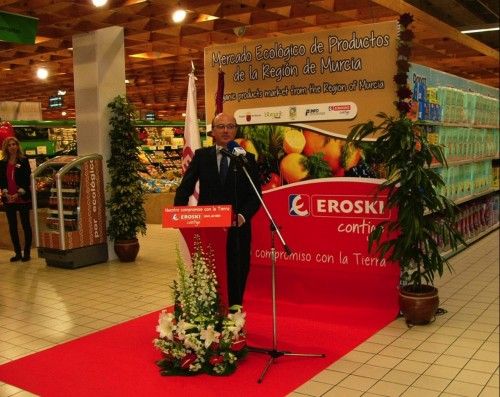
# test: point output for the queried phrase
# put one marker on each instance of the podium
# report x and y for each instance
(211, 223)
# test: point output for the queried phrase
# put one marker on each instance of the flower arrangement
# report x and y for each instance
(198, 336)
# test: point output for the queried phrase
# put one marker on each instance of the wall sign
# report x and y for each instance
(353, 65)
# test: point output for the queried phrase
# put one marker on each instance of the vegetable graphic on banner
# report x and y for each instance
(290, 153)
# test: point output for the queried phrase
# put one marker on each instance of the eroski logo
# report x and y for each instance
(352, 206)
(298, 205)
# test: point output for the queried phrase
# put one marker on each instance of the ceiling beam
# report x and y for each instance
(429, 21)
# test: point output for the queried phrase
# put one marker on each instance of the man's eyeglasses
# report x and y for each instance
(226, 126)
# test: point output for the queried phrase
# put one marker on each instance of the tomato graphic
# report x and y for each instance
(274, 181)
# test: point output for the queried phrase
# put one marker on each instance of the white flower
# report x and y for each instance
(238, 318)
(209, 335)
(165, 325)
(191, 342)
(182, 327)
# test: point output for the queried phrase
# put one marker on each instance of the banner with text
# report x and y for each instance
(326, 224)
(330, 80)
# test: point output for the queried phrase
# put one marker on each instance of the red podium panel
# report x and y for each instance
(214, 239)
(197, 216)
(210, 222)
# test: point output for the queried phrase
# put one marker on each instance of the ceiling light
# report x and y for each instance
(99, 3)
(179, 15)
(479, 29)
(151, 55)
(42, 73)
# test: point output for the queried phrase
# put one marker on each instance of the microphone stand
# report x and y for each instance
(273, 353)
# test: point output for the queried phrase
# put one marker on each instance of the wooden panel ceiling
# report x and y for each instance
(158, 77)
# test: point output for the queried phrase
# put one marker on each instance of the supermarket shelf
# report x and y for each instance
(471, 197)
(450, 253)
(160, 147)
(64, 190)
(65, 212)
(465, 161)
(443, 124)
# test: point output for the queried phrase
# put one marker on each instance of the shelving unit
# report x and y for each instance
(71, 231)
(450, 253)
(463, 117)
(69, 199)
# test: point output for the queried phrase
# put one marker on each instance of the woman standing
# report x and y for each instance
(16, 194)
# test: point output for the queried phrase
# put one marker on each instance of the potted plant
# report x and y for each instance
(126, 198)
(426, 219)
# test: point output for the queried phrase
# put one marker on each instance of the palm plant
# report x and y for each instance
(426, 219)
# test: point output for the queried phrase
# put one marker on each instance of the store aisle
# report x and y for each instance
(457, 355)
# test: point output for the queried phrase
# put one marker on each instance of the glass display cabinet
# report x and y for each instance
(69, 211)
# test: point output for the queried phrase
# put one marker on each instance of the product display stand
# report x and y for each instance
(273, 353)
(70, 230)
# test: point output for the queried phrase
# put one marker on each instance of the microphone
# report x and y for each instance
(235, 152)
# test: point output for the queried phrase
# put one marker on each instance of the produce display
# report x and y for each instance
(162, 170)
(288, 154)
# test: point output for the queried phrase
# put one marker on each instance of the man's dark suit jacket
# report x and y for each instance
(236, 191)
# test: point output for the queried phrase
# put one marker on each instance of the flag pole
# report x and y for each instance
(191, 129)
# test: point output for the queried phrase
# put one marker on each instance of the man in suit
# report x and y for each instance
(226, 184)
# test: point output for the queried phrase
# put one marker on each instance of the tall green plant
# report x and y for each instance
(425, 218)
(126, 201)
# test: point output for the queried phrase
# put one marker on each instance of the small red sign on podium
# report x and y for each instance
(199, 216)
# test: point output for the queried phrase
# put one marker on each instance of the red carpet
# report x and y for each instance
(120, 361)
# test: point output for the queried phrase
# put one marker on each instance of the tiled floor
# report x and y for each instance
(457, 355)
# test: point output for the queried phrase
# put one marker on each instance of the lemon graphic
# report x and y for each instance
(292, 167)
(293, 141)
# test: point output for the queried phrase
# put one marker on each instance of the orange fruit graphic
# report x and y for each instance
(332, 153)
(292, 167)
(314, 142)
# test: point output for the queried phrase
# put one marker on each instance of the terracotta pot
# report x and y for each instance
(127, 250)
(420, 307)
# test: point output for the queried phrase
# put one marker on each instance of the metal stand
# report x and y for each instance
(273, 353)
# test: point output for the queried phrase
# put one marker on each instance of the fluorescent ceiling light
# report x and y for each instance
(480, 30)
(151, 55)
